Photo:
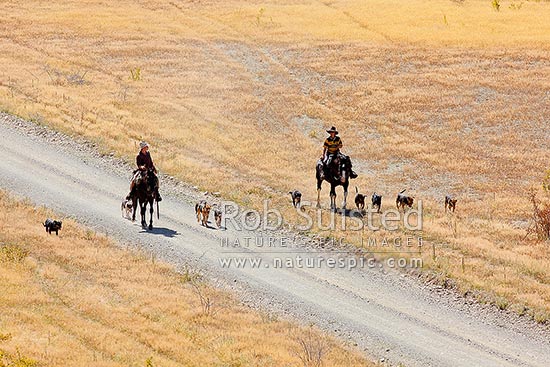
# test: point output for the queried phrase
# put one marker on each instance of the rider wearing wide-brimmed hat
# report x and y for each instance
(331, 149)
(144, 163)
(332, 145)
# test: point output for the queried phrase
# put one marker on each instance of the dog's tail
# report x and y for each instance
(402, 191)
(356, 191)
(196, 207)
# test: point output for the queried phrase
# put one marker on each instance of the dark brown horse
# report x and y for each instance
(337, 174)
(144, 194)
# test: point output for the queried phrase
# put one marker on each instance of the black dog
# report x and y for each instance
(296, 198)
(52, 226)
(403, 200)
(359, 200)
(377, 201)
(450, 203)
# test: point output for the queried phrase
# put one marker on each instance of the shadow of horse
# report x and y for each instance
(166, 232)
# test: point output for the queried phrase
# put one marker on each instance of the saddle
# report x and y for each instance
(343, 165)
(140, 175)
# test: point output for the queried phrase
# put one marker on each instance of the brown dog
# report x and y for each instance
(202, 210)
(218, 217)
(359, 200)
(450, 203)
(402, 201)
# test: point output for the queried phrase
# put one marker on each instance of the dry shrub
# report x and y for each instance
(540, 219)
(311, 349)
(12, 253)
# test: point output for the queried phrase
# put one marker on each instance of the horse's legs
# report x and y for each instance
(345, 196)
(332, 196)
(319, 183)
(142, 210)
(134, 209)
(318, 198)
(151, 213)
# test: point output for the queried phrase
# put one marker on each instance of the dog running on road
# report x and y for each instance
(202, 210)
(218, 217)
(126, 208)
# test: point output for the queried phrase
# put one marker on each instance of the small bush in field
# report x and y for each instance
(546, 182)
(12, 253)
(311, 349)
(496, 5)
(540, 220)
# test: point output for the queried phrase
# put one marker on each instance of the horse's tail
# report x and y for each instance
(158, 212)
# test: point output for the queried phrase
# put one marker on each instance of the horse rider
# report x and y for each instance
(331, 149)
(144, 163)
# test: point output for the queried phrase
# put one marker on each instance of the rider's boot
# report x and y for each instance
(158, 195)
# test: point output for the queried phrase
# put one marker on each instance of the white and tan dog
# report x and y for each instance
(126, 208)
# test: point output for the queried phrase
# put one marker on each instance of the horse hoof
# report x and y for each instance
(150, 227)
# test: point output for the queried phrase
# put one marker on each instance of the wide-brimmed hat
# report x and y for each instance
(143, 145)
(332, 130)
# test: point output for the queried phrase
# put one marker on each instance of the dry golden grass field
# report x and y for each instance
(79, 300)
(434, 96)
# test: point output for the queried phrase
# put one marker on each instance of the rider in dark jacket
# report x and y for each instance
(144, 160)
(144, 163)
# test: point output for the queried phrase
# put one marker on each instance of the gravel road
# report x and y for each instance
(391, 316)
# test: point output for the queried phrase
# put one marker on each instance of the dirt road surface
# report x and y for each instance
(391, 316)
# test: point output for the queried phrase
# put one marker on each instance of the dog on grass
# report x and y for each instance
(450, 203)
(52, 226)
(202, 210)
(359, 200)
(296, 198)
(126, 208)
(376, 201)
(403, 200)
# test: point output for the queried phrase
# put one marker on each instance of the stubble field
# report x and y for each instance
(441, 97)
